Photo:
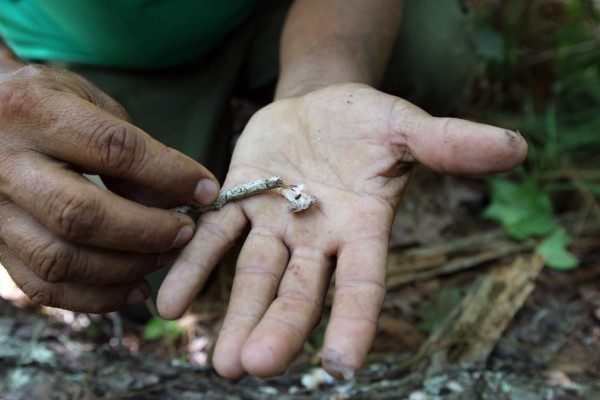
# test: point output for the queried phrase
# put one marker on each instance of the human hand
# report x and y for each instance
(352, 147)
(65, 242)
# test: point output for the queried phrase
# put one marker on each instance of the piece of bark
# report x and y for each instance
(429, 262)
(470, 331)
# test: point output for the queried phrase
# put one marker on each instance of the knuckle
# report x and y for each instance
(51, 262)
(447, 125)
(23, 91)
(218, 230)
(118, 148)
(258, 271)
(289, 325)
(16, 100)
(298, 297)
(403, 118)
(371, 287)
(8, 173)
(32, 71)
(43, 294)
(74, 216)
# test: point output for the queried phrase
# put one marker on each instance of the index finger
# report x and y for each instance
(82, 134)
(214, 236)
(79, 211)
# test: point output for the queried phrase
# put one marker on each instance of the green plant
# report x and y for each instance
(525, 210)
(157, 328)
(554, 250)
(542, 63)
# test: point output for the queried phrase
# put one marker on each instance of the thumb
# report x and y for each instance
(457, 146)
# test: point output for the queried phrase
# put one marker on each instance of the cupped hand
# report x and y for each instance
(352, 147)
(63, 240)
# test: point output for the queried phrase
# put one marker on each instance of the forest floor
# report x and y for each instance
(496, 326)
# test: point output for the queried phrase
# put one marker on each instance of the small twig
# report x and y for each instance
(293, 193)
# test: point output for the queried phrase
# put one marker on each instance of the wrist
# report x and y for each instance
(300, 88)
(299, 83)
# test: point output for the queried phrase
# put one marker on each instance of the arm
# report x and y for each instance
(352, 147)
(336, 41)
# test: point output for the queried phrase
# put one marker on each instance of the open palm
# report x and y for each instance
(352, 147)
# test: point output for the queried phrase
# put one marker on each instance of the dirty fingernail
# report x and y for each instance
(184, 236)
(136, 296)
(331, 361)
(206, 191)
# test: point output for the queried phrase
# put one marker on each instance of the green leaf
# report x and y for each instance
(158, 328)
(535, 225)
(522, 208)
(554, 250)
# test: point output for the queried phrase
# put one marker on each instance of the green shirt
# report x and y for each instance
(137, 34)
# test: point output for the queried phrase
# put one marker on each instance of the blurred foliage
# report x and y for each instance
(542, 77)
(157, 328)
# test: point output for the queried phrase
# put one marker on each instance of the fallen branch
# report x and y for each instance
(417, 264)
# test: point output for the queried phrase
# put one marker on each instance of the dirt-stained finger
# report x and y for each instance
(108, 145)
(359, 292)
(261, 264)
(78, 211)
(291, 317)
(55, 260)
(67, 127)
(93, 299)
(455, 146)
(215, 235)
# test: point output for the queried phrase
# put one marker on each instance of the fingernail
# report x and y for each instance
(331, 361)
(184, 236)
(136, 296)
(206, 191)
(514, 137)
